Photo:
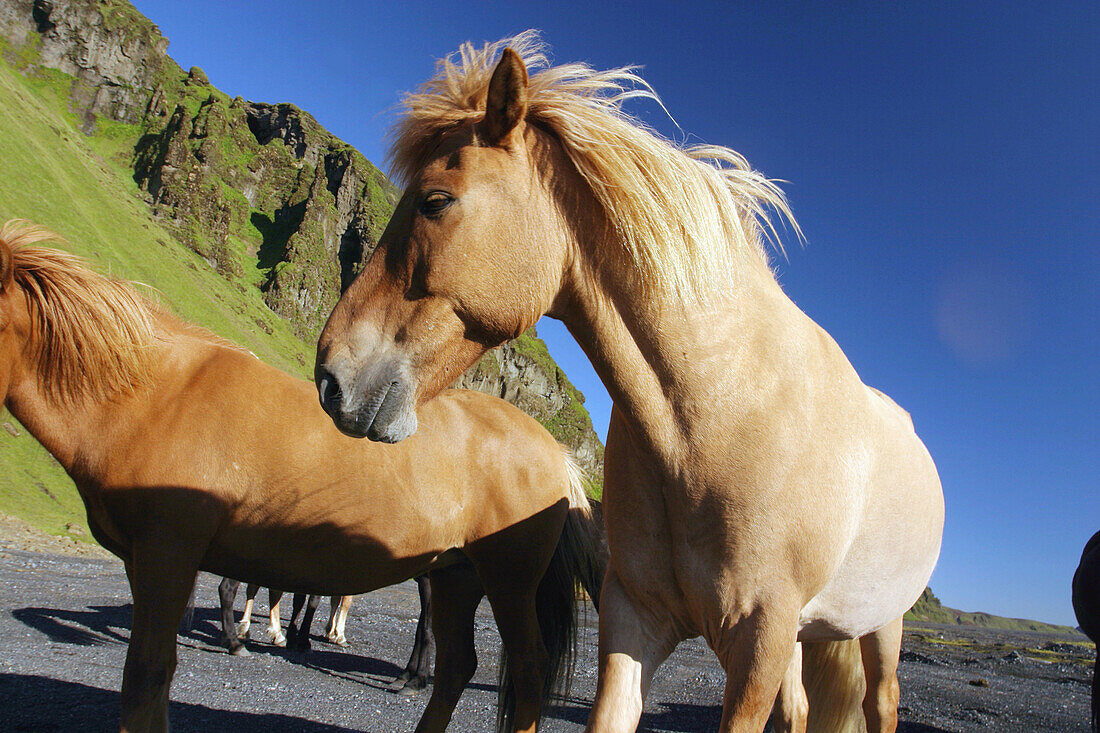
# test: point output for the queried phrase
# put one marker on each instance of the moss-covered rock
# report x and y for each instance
(263, 192)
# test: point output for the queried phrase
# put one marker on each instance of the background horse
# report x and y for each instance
(1086, 605)
(234, 633)
(757, 493)
(412, 679)
(190, 454)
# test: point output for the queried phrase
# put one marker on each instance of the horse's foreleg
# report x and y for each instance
(292, 627)
(880, 652)
(246, 617)
(298, 637)
(161, 583)
(791, 706)
(419, 669)
(227, 592)
(756, 653)
(459, 590)
(274, 619)
(632, 645)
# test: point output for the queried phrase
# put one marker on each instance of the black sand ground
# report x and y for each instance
(64, 624)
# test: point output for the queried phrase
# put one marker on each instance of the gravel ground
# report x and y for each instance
(65, 618)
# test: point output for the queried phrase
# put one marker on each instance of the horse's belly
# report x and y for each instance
(878, 581)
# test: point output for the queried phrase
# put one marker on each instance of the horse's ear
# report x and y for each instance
(506, 103)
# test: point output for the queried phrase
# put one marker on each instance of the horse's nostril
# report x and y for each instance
(328, 388)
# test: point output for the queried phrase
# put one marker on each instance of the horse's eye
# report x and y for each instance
(435, 202)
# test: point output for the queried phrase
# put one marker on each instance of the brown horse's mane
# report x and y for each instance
(92, 336)
(683, 216)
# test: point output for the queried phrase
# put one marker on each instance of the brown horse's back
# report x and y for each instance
(243, 453)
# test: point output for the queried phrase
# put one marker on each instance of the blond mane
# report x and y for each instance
(684, 216)
(91, 335)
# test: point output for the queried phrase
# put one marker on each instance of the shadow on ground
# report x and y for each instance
(43, 704)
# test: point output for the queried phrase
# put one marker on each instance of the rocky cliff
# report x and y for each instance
(265, 194)
(262, 191)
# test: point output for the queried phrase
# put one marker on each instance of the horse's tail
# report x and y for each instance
(577, 560)
(832, 673)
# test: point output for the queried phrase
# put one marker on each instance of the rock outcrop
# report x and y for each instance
(523, 373)
(114, 53)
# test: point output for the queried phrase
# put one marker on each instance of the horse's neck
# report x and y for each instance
(81, 432)
(61, 428)
(666, 362)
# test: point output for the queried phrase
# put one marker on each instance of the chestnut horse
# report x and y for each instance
(1086, 605)
(757, 492)
(191, 454)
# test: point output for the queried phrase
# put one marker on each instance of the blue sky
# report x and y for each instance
(943, 162)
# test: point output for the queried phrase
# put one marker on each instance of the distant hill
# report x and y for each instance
(246, 217)
(929, 609)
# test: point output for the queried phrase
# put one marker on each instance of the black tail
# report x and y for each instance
(577, 559)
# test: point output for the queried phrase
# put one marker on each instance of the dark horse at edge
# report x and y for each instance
(1086, 604)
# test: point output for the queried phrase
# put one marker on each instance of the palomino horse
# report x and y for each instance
(190, 454)
(757, 492)
(1086, 605)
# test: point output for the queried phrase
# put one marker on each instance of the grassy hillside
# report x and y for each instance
(928, 609)
(54, 175)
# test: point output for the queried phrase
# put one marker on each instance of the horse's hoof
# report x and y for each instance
(240, 651)
(340, 640)
(279, 639)
(243, 629)
(409, 686)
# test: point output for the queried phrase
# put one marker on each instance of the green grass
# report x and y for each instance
(55, 176)
(35, 488)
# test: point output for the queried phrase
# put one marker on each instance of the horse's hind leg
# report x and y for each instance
(274, 619)
(227, 592)
(458, 589)
(880, 652)
(341, 606)
(419, 669)
(160, 581)
(791, 706)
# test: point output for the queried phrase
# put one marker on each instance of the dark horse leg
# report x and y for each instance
(453, 625)
(419, 669)
(227, 592)
(298, 638)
